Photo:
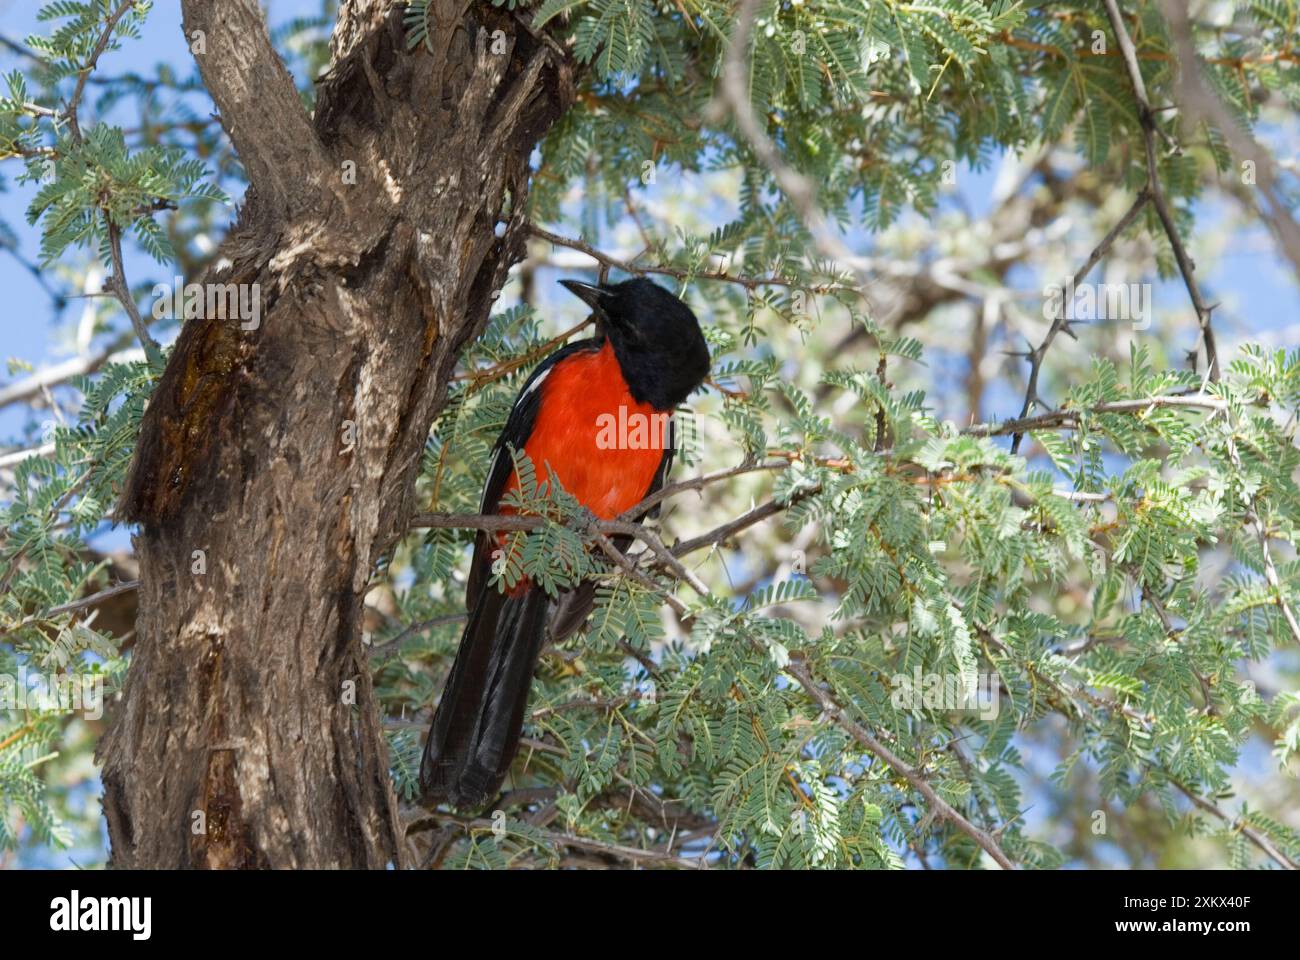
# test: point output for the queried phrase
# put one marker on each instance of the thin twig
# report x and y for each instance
(626, 266)
(617, 851)
(126, 586)
(117, 282)
(1235, 823)
(84, 73)
(1203, 105)
(733, 96)
(412, 630)
(1059, 322)
(798, 669)
(1070, 695)
(1261, 535)
(1147, 119)
(1069, 417)
(478, 378)
(624, 563)
(656, 546)
(697, 483)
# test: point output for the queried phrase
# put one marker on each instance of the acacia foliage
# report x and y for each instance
(926, 546)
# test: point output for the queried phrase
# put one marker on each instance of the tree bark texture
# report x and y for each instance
(248, 735)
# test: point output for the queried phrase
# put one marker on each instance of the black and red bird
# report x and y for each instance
(647, 358)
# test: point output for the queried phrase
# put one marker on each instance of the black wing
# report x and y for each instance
(518, 428)
(666, 464)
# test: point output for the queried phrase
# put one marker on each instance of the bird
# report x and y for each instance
(649, 354)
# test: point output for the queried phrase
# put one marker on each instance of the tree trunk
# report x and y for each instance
(276, 465)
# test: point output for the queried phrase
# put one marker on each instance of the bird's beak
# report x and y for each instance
(588, 293)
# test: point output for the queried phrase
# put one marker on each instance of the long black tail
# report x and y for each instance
(481, 714)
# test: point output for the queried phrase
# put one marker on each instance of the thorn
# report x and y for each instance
(1027, 353)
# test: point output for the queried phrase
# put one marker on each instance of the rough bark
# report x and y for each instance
(248, 735)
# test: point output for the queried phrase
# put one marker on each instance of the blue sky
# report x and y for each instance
(31, 329)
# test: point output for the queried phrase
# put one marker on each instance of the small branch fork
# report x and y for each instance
(1203, 105)
(1059, 322)
(1152, 192)
(1147, 118)
(1071, 418)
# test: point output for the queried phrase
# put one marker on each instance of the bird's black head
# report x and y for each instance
(656, 338)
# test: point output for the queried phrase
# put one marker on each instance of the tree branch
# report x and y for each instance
(259, 104)
(1203, 105)
(1058, 418)
(84, 73)
(419, 627)
(1250, 833)
(1146, 117)
(797, 668)
(41, 380)
(608, 260)
(617, 851)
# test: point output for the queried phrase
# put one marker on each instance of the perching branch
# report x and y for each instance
(634, 855)
(624, 563)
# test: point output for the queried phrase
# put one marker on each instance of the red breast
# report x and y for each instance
(602, 444)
